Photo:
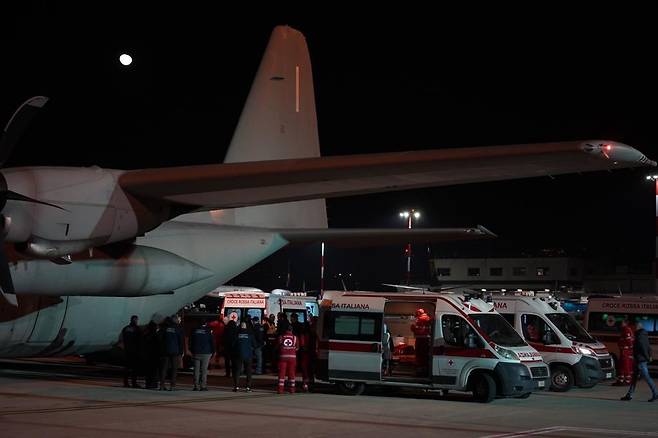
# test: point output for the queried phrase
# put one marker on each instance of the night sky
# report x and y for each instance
(385, 80)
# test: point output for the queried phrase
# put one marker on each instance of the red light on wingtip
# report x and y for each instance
(607, 147)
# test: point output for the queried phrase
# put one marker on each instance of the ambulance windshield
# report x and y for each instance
(570, 327)
(498, 329)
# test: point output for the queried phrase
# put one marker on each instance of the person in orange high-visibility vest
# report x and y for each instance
(625, 343)
(288, 346)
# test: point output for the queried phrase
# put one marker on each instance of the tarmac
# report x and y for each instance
(66, 398)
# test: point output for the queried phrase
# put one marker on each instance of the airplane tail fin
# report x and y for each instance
(278, 122)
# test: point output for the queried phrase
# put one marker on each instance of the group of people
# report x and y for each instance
(248, 346)
(154, 352)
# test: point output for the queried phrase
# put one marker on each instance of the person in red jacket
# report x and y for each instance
(288, 346)
(217, 328)
(305, 351)
(625, 343)
(422, 330)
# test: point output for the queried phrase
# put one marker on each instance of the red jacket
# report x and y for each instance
(627, 338)
(422, 327)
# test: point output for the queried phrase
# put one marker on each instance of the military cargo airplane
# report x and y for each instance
(85, 248)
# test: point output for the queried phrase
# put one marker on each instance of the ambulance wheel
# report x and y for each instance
(484, 388)
(351, 388)
(561, 378)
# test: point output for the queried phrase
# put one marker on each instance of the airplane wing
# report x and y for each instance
(230, 185)
(360, 237)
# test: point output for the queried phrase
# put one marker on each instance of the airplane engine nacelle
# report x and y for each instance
(140, 271)
(46, 249)
(76, 209)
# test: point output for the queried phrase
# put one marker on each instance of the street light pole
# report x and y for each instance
(409, 215)
(654, 179)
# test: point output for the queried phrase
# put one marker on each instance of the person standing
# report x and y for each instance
(243, 354)
(202, 347)
(259, 339)
(288, 346)
(217, 328)
(151, 355)
(625, 343)
(642, 357)
(172, 345)
(422, 330)
(387, 351)
(131, 336)
(304, 354)
(272, 346)
(229, 337)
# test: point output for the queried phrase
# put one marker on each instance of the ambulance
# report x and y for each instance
(303, 305)
(239, 303)
(574, 357)
(469, 346)
(604, 315)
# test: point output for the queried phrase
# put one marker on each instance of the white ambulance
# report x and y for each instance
(469, 346)
(604, 315)
(574, 357)
(303, 305)
(239, 303)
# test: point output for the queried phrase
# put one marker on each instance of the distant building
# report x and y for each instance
(542, 273)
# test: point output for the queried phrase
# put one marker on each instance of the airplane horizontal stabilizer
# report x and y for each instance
(359, 237)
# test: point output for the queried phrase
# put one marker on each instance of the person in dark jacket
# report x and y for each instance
(642, 357)
(131, 336)
(202, 347)
(230, 334)
(172, 346)
(259, 338)
(151, 355)
(297, 327)
(282, 324)
(243, 353)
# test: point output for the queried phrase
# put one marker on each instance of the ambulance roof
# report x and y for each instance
(462, 303)
(541, 305)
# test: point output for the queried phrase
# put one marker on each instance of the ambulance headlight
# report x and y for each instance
(584, 350)
(507, 354)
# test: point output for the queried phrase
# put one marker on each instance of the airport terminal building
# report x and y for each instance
(543, 273)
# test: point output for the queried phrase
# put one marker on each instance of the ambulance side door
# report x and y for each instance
(355, 348)
(452, 354)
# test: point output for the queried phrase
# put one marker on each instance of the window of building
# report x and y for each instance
(496, 272)
(473, 272)
(519, 271)
(443, 272)
(542, 271)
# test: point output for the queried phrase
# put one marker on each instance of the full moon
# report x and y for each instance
(125, 59)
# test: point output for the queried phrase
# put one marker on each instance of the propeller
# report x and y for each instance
(13, 131)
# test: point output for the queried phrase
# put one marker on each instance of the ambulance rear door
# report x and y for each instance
(353, 327)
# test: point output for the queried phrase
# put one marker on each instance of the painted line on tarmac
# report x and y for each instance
(115, 405)
(553, 429)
